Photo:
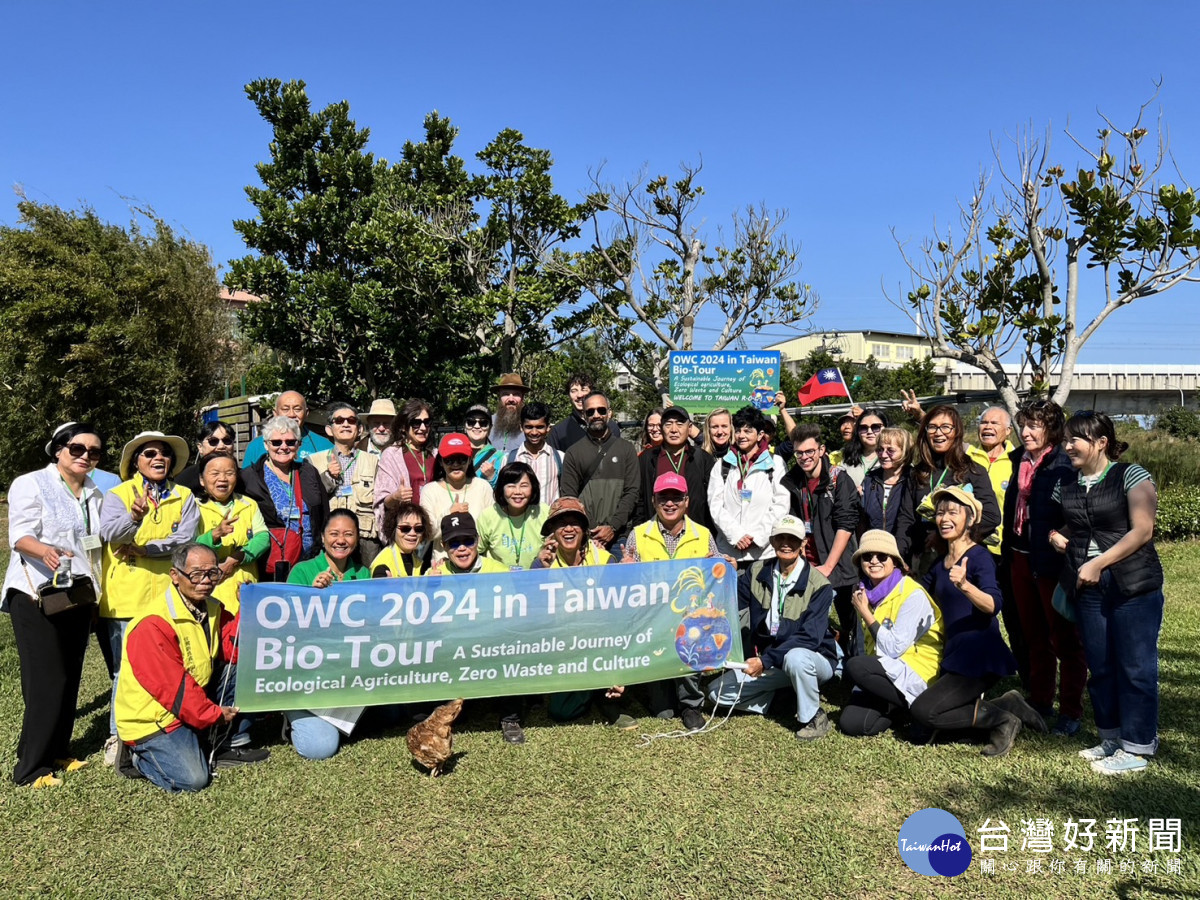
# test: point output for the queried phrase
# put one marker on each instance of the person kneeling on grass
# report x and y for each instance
(460, 541)
(172, 689)
(785, 606)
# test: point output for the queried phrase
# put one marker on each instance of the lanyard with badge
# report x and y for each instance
(345, 489)
(517, 538)
(743, 473)
(89, 542)
(777, 602)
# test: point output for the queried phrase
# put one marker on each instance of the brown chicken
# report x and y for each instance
(430, 741)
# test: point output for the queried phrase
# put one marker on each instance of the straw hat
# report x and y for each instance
(877, 541)
(382, 407)
(179, 449)
(560, 509)
(959, 495)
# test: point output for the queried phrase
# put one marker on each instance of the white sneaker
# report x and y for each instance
(1103, 750)
(110, 751)
(1120, 763)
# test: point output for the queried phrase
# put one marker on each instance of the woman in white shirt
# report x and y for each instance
(54, 533)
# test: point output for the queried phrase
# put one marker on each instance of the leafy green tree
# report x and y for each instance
(1011, 280)
(550, 370)
(103, 324)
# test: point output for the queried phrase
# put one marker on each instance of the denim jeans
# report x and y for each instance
(115, 630)
(312, 737)
(173, 760)
(803, 670)
(1120, 638)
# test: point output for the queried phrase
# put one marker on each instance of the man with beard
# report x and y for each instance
(573, 428)
(510, 393)
(602, 471)
(379, 426)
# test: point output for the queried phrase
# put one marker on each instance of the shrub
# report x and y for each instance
(1178, 513)
(1178, 421)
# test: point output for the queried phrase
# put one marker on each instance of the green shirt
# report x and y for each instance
(509, 541)
(307, 571)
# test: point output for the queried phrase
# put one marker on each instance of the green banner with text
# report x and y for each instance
(403, 640)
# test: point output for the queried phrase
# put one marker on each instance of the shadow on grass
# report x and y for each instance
(447, 769)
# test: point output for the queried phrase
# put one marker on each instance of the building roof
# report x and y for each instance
(238, 299)
(848, 331)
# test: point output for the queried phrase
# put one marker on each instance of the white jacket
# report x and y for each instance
(734, 517)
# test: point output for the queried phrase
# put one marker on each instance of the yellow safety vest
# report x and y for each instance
(139, 715)
(925, 655)
(1000, 473)
(391, 559)
(591, 558)
(130, 585)
(693, 543)
(211, 515)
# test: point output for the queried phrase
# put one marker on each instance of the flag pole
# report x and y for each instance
(846, 385)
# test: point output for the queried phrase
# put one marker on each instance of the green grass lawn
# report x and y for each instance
(585, 811)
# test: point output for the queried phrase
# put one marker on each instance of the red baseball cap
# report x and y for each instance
(671, 481)
(455, 444)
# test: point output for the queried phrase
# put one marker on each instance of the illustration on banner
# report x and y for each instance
(705, 635)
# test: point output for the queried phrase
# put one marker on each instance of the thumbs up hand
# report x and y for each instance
(324, 580)
(958, 573)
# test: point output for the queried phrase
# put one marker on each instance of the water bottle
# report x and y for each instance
(63, 578)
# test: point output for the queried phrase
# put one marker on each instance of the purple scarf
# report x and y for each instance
(876, 595)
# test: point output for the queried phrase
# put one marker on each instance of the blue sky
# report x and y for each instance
(855, 117)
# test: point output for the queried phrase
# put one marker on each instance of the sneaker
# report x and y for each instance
(1103, 750)
(512, 731)
(110, 751)
(692, 718)
(241, 756)
(625, 722)
(1066, 727)
(71, 764)
(816, 727)
(1120, 763)
(44, 781)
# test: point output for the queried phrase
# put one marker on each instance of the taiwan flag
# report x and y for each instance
(826, 383)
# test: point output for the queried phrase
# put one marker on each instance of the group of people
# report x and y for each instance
(884, 564)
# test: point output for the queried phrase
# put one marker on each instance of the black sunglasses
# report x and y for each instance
(78, 450)
(595, 411)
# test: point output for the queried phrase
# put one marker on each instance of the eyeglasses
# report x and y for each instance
(595, 411)
(344, 420)
(889, 451)
(874, 557)
(411, 529)
(78, 450)
(871, 429)
(201, 575)
(947, 428)
(283, 442)
(807, 454)
(151, 453)
(212, 440)
(478, 423)
(455, 543)
(418, 424)
(653, 426)
(673, 497)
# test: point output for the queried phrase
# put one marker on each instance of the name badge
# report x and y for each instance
(291, 512)
(775, 629)
(345, 490)
(91, 542)
(744, 493)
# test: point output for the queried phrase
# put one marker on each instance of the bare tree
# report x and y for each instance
(650, 265)
(992, 290)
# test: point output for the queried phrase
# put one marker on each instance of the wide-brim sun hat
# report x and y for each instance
(382, 407)
(958, 495)
(561, 509)
(510, 381)
(877, 541)
(179, 450)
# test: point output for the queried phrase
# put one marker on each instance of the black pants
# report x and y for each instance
(849, 627)
(51, 650)
(1012, 623)
(949, 703)
(878, 705)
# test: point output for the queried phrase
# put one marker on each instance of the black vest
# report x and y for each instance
(1102, 515)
